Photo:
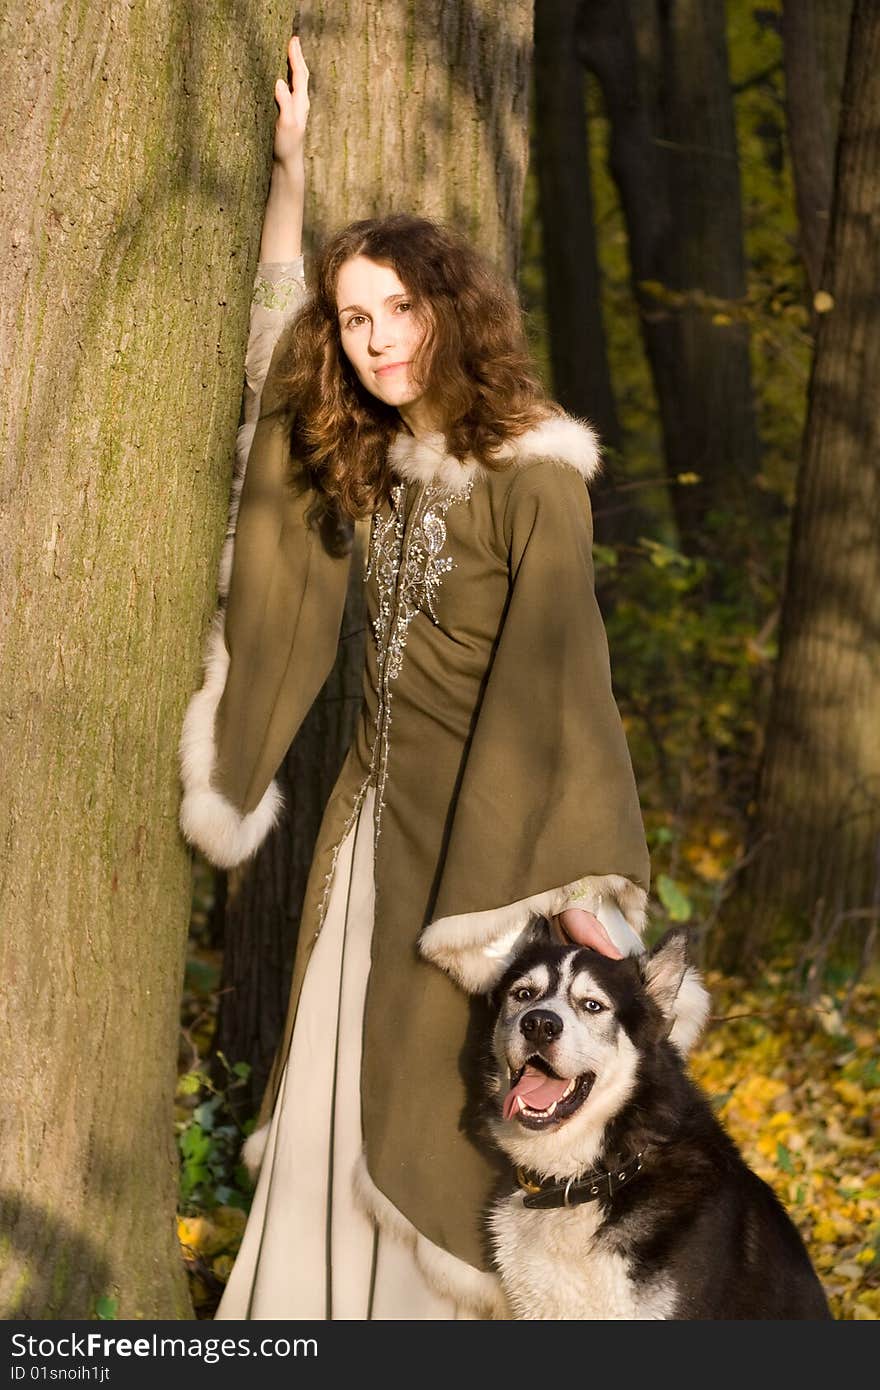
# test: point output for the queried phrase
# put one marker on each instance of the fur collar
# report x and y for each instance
(561, 438)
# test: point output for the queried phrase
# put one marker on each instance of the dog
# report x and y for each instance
(631, 1201)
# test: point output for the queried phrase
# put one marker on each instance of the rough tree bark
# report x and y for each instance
(129, 227)
(413, 109)
(817, 827)
(664, 75)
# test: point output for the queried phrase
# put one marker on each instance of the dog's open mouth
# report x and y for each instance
(538, 1097)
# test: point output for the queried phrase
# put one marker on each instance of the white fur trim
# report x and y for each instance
(476, 948)
(561, 438)
(475, 1289)
(425, 460)
(691, 1010)
(253, 1149)
(207, 818)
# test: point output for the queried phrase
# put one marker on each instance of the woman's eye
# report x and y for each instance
(593, 1006)
(355, 320)
(404, 304)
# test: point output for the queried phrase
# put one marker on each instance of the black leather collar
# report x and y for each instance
(546, 1193)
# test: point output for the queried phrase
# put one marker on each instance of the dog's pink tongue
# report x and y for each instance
(537, 1090)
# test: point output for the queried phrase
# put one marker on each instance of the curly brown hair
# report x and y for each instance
(474, 355)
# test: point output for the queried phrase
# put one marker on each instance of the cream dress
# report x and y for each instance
(310, 1249)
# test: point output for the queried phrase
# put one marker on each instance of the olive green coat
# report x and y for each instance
(489, 728)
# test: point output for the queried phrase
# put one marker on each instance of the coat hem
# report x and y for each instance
(449, 1277)
(476, 1290)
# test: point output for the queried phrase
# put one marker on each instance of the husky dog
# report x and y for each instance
(631, 1200)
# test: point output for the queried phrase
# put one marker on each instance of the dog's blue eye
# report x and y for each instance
(593, 1006)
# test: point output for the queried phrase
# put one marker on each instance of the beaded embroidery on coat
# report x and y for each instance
(406, 556)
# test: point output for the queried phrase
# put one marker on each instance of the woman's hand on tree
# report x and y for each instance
(575, 926)
(293, 108)
(281, 238)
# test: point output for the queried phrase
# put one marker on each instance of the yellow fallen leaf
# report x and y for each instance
(706, 864)
(213, 1232)
(847, 1269)
(825, 1231)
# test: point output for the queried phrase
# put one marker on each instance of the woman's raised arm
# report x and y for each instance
(279, 286)
(283, 219)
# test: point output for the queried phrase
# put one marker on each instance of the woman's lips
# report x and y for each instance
(391, 367)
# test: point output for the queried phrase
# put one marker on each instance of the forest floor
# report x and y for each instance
(794, 1078)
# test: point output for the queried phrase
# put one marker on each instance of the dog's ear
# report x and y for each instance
(677, 989)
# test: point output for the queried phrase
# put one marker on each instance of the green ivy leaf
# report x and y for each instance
(783, 1158)
(673, 898)
(195, 1144)
(204, 1114)
(106, 1307)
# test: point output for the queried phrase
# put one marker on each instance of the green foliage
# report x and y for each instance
(209, 1140)
(106, 1307)
(692, 679)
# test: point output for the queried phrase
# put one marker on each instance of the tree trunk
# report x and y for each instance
(817, 826)
(813, 75)
(664, 76)
(581, 376)
(413, 109)
(124, 283)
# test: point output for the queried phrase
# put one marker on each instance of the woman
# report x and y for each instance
(488, 785)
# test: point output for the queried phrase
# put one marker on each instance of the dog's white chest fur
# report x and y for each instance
(556, 1265)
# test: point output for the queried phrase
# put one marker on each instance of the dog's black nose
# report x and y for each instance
(540, 1026)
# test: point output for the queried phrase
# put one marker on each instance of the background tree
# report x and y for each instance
(663, 70)
(816, 834)
(134, 173)
(413, 109)
(570, 262)
(814, 49)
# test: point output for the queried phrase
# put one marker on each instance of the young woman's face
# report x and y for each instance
(379, 330)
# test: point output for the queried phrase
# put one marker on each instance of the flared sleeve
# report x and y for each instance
(547, 813)
(273, 639)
